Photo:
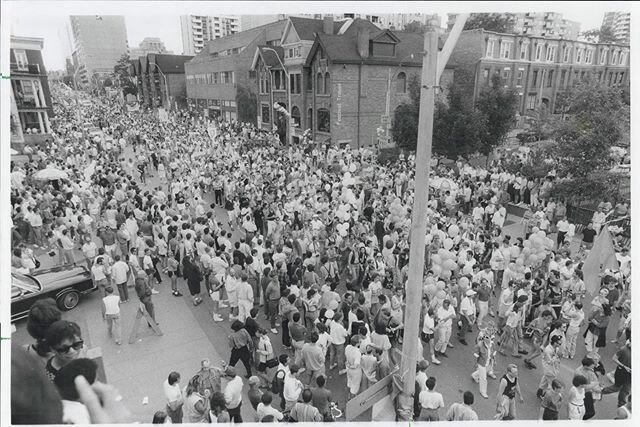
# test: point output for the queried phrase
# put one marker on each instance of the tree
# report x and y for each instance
(123, 76)
(499, 106)
(498, 22)
(415, 27)
(603, 34)
(247, 103)
(404, 129)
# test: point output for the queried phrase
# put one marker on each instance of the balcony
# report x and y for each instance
(24, 68)
(27, 103)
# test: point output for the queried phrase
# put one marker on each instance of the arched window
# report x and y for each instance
(310, 118)
(324, 120)
(401, 83)
(327, 83)
(295, 116)
(319, 90)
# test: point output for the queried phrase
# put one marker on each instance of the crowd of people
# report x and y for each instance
(309, 244)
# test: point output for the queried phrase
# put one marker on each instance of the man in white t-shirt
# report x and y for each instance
(111, 314)
(175, 400)
(445, 315)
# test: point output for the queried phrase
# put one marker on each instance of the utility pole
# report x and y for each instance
(432, 67)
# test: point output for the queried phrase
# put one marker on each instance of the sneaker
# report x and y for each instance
(223, 305)
(475, 379)
(210, 291)
(342, 372)
(218, 319)
(462, 341)
(491, 375)
(529, 365)
(449, 345)
(301, 370)
(435, 361)
(153, 291)
(274, 331)
(118, 342)
(484, 395)
(178, 294)
(523, 352)
(443, 355)
(333, 366)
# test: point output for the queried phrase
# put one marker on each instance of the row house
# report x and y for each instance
(160, 79)
(272, 65)
(214, 75)
(31, 105)
(538, 68)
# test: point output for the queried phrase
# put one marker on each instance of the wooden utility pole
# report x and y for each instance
(430, 77)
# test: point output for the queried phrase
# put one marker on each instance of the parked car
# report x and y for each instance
(64, 284)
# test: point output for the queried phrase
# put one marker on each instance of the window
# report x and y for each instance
(310, 118)
(252, 75)
(579, 52)
(621, 77)
(485, 75)
(216, 78)
(610, 78)
(538, 52)
(531, 102)
(550, 78)
(264, 82)
(21, 59)
(582, 74)
(563, 76)
(265, 113)
(401, 83)
(490, 46)
(324, 120)
(599, 76)
(614, 58)
(279, 80)
(382, 49)
(524, 51)
(519, 77)
(589, 56)
(623, 58)
(505, 50)
(309, 78)
(319, 84)
(534, 82)
(295, 116)
(506, 75)
(603, 56)
(551, 53)
(566, 54)
(327, 84)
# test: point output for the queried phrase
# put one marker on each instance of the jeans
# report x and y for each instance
(622, 385)
(272, 308)
(114, 327)
(123, 291)
(462, 330)
(336, 351)
(235, 414)
(286, 340)
(176, 416)
(242, 354)
(444, 334)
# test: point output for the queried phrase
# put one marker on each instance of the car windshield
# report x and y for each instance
(24, 283)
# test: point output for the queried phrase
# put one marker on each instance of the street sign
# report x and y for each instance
(385, 119)
(370, 396)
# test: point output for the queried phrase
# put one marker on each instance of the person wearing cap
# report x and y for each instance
(467, 315)
(233, 394)
(484, 353)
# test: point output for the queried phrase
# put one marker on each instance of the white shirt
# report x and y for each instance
(98, 272)
(442, 313)
(233, 392)
(467, 307)
(119, 271)
(428, 325)
(111, 304)
(263, 411)
(292, 388)
(431, 400)
(172, 392)
(337, 332)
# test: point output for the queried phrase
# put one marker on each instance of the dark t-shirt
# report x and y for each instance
(320, 398)
(251, 326)
(588, 235)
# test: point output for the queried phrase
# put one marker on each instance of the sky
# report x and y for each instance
(49, 20)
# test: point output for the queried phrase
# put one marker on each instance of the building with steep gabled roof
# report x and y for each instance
(161, 79)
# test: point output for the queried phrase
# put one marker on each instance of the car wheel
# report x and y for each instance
(69, 300)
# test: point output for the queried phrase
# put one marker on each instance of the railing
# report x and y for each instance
(26, 68)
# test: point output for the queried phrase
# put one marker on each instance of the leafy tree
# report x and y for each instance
(405, 126)
(247, 103)
(121, 74)
(603, 34)
(415, 27)
(498, 22)
(499, 105)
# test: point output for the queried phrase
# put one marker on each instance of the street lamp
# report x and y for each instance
(166, 87)
(288, 86)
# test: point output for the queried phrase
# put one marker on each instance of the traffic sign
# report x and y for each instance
(370, 396)
(385, 119)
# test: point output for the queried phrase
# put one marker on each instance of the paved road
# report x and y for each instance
(138, 370)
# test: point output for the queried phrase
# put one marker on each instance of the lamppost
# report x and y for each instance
(288, 86)
(166, 87)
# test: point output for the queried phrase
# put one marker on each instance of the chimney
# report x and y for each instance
(363, 42)
(327, 25)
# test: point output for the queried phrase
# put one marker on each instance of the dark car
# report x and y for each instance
(64, 284)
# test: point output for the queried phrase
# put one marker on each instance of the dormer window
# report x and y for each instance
(382, 49)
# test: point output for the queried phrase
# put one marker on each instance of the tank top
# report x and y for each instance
(508, 390)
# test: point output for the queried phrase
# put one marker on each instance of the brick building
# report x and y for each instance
(150, 72)
(31, 105)
(214, 75)
(272, 85)
(538, 68)
(359, 79)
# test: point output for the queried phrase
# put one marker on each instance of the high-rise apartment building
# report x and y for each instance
(148, 45)
(100, 41)
(198, 30)
(541, 24)
(248, 22)
(620, 23)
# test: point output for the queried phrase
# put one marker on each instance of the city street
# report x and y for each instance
(190, 335)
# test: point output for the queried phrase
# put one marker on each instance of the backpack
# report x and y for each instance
(277, 384)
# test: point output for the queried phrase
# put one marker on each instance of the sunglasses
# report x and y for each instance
(65, 349)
